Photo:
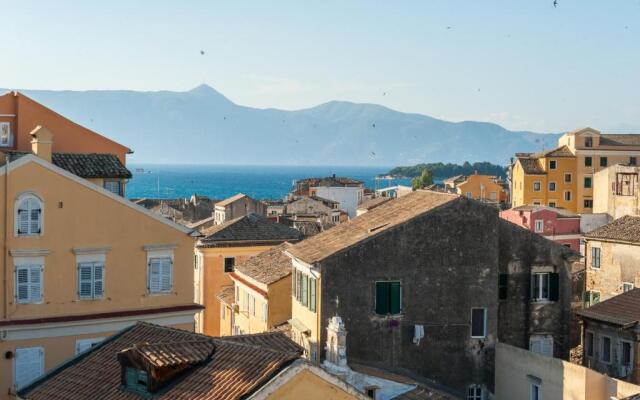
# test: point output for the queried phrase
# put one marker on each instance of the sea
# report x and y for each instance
(222, 181)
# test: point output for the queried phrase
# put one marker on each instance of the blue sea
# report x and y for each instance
(220, 181)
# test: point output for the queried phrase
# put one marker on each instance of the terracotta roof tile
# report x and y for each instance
(248, 228)
(562, 151)
(227, 295)
(626, 229)
(174, 353)
(267, 267)
(531, 166)
(234, 370)
(620, 140)
(275, 340)
(92, 165)
(373, 203)
(623, 309)
(231, 199)
(372, 223)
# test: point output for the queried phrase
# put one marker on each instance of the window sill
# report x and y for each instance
(543, 301)
(159, 293)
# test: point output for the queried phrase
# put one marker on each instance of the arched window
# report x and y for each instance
(28, 216)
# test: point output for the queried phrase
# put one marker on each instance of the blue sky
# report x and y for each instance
(521, 63)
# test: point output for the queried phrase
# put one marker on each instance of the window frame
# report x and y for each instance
(604, 161)
(94, 263)
(589, 351)
(534, 391)
(540, 278)
(587, 205)
(587, 179)
(537, 229)
(160, 290)
(627, 286)
(28, 263)
(593, 257)
(16, 206)
(570, 175)
(265, 311)
(602, 347)
(475, 392)
(554, 186)
(588, 141)
(106, 182)
(590, 163)
(542, 339)
(538, 184)
(224, 264)
(400, 292)
(92, 342)
(553, 164)
(553, 204)
(631, 355)
(569, 197)
(484, 323)
(9, 143)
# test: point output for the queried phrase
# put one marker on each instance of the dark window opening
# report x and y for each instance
(588, 203)
(388, 298)
(587, 182)
(595, 257)
(588, 142)
(588, 161)
(625, 184)
(229, 263)
(503, 282)
(478, 322)
(603, 161)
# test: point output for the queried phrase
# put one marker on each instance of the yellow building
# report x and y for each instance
(563, 177)
(80, 263)
(220, 250)
(485, 188)
(262, 294)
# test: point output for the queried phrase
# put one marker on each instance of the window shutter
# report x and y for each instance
(35, 221)
(165, 277)
(35, 284)
(312, 294)
(265, 312)
(503, 281)
(98, 280)
(23, 221)
(554, 286)
(534, 287)
(154, 275)
(84, 280)
(22, 284)
(29, 365)
(395, 298)
(382, 298)
(305, 291)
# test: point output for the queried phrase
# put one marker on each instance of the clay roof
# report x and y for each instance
(267, 267)
(91, 165)
(623, 309)
(330, 181)
(626, 229)
(275, 340)
(168, 354)
(373, 203)
(227, 295)
(562, 213)
(620, 140)
(248, 228)
(308, 205)
(231, 199)
(236, 368)
(562, 151)
(531, 166)
(367, 225)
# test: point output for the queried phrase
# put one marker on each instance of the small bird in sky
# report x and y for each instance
(374, 125)
(384, 93)
(373, 154)
(201, 52)
(555, 3)
(448, 27)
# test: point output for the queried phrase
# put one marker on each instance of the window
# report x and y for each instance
(136, 380)
(388, 298)
(595, 257)
(237, 294)
(160, 275)
(553, 164)
(312, 294)
(28, 216)
(265, 312)
(246, 301)
(633, 161)
(252, 305)
(90, 280)
(567, 195)
(591, 297)
(534, 392)
(552, 186)
(541, 344)
(544, 286)
(539, 225)
(114, 187)
(588, 141)
(478, 323)
(605, 353)
(475, 392)
(503, 284)
(588, 161)
(28, 365)
(603, 161)
(28, 282)
(223, 312)
(305, 290)
(626, 286)
(5, 134)
(588, 343)
(587, 182)
(625, 184)
(536, 186)
(86, 344)
(588, 203)
(626, 353)
(536, 203)
(552, 204)
(229, 263)
(567, 177)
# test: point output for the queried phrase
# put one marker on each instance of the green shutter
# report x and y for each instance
(554, 286)
(305, 291)
(382, 298)
(502, 286)
(395, 298)
(312, 294)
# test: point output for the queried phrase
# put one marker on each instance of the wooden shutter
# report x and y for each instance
(395, 298)
(35, 284)
(554, 286)
(305, 290)
(34, 222)
(312, 294)
(29, 365)
(265, 312)
(382, 298)
(154, 275)
(98, 280)
(85, 280)
(503, 281)
(165, 274)
(22, 284)
(23, 221)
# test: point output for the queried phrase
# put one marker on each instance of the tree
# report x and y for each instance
(425, 179)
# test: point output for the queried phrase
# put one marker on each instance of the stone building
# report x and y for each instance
(237, 206)
(612, 263)
(427, 284)
(615, 191)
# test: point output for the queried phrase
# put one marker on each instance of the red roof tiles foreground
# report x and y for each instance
(235, 369)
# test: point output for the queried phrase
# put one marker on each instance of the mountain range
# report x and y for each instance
(201, 126)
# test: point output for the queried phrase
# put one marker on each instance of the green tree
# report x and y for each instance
(425, 179)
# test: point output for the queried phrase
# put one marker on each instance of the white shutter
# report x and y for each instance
(29, 365)
(23, 221)
(547, 346)
(154, 275)
(265, 312)
(22, 284)
(85, 281)
(28, 283)
(35, 284)
(98, 280)
(165, 277)
(34, 212)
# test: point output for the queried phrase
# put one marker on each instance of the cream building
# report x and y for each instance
(616, 191)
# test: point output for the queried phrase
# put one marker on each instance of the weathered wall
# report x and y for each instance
(280, 301)
(619, 262)
(446, 261)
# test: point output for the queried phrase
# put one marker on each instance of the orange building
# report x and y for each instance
(485, 188)
(19, 115)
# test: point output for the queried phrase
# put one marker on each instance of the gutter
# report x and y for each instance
(4, 241)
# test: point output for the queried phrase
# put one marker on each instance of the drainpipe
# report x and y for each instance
(6, 233)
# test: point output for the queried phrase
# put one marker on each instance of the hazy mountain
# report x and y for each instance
(203, 126)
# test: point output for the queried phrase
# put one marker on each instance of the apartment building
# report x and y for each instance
(563, 177)
(616, 191)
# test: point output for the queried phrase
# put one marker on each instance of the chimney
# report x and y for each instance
(42, 142)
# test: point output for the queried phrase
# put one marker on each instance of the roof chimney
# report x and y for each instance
(42, 142)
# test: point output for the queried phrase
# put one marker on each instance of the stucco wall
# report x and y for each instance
(619, 263)
(308, 386)
(348, 197)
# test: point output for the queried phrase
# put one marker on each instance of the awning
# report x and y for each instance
(299, 326)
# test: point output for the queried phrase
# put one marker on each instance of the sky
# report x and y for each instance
(523, 64)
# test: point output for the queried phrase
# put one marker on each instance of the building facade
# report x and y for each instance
(563, 177)
(237, 206)
(348, 193)
(616, 191)
(485, 188)
(422, 305)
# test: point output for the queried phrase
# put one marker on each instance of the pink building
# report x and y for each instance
(555, 224)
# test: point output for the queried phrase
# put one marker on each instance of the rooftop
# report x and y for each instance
(267, 267)
(91, 165)
(249, 228)
(620, 140)
(227, 295)
(235, 368)
(531, 166)
(367, 225)
(625, 229)
(562, 213)
(623, 309)
(373, 203)
(330, 181)
(231, 199)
